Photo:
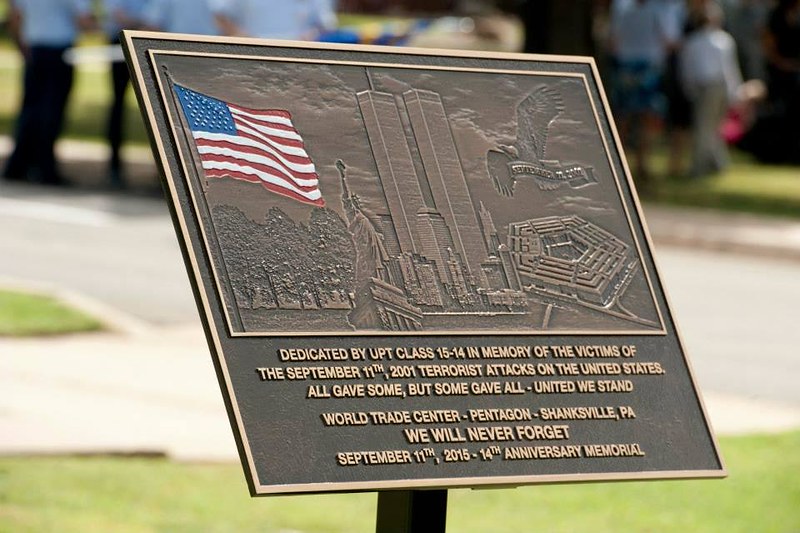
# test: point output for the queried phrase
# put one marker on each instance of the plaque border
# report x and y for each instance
(213, 333)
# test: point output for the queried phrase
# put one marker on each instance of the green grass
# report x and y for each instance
(28, 314)
(747, 186)
(143, 495)
(358, 19)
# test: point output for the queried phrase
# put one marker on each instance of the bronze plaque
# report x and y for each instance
(418, 269)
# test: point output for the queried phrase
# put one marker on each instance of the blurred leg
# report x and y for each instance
(678, 143)
(58, 84)
(120, 78)
(709, 151)
(700, 122)
(719, 108)
(25, 136)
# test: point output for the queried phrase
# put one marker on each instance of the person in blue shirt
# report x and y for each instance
(180, 16)
(45, 30)
(120, 14)
(641, 34)
(274, 19)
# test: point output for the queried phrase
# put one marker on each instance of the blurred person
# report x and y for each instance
(13, 24)
(746, 21)
(179, 16)
(678, 118)
(558, 27)
(775, 137)
(275, 19)
(536, 16)
(711, 78)
(46, 29)
(120, 14)
(782, 49)
(639, 39)
(682, 18)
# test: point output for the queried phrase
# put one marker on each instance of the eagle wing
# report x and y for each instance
(535, 114)
(497, 167)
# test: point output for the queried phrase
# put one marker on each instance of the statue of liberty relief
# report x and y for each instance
(527, 157)
(373, 281)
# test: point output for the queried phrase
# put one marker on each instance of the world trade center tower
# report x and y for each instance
(446, 178)
(395, 166)
(418, 124)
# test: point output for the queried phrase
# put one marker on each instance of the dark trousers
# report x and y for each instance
(120, 79)
(47, 82)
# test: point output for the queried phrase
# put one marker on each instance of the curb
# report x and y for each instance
(772, 252)
(707, 229)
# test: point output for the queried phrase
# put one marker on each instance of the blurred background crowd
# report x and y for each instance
(686, 78)
(121, 429)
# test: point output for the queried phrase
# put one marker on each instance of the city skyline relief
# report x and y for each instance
(437, 218)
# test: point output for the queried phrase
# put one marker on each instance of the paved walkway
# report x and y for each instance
(152, 392)
(731, 232)
(142, 388)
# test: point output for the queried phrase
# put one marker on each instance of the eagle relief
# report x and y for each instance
(527, 157)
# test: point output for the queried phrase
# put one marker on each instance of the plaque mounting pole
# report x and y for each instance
(412, 511)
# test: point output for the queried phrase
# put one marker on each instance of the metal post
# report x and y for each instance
(412, 511)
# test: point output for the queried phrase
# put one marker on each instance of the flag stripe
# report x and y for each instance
(269, 186)
(303, 184)
(301, 180)
(285, 146)
(319, 202)
(210, 146)
(269, 130)
(213, 173)
(294, 162)
(279, 114)
(224, 148)
(288, 146)
(265, 120)
(298, 152)
(233, 168)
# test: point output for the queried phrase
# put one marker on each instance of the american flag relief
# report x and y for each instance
(254, 145)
